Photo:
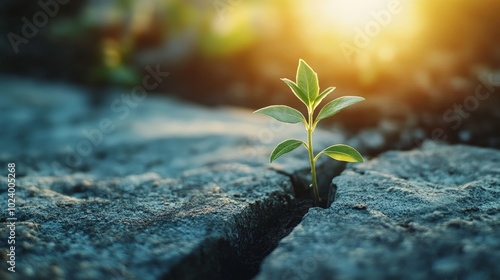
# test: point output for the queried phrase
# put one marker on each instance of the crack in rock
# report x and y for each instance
(441, 222)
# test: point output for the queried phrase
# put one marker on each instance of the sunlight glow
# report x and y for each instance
(364, 34)
(354, 12)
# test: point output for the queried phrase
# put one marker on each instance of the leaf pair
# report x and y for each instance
(338, 152)
(288, 114)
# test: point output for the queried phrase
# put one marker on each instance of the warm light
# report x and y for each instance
(350, 30)
(353, 12)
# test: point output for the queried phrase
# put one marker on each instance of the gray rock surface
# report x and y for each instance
(432, 213)
(174, 190)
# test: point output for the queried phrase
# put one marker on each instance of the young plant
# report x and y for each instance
(306, 89)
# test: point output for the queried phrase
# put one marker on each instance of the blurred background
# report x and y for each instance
(421, 65)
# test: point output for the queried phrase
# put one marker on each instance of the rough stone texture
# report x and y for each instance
(432, 213)
(175, 190)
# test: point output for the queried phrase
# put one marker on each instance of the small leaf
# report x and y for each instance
(333, 107)
(307, 80)
(282, 113)
(285, 147)
(343, 152)
(301, 95)
(322, 96)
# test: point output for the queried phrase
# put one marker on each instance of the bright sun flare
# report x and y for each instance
(350, 13)
(343, 18)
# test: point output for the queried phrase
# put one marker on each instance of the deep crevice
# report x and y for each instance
(239, 254)
(258, 232)
(247, 264)
(302, 202)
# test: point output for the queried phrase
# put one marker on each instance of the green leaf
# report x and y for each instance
(282, 113)
(343, 152)
(333, 107)
(307, 81)
(285, 147)
(301, 95)
(322, 96)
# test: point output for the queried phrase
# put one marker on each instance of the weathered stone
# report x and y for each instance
(432, 213)
(175, 190)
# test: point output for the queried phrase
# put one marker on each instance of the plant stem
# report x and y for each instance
(310, 129)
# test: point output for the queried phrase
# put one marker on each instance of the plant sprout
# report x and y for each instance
(306, 89)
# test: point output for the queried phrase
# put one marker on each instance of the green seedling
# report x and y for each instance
(306, 89)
